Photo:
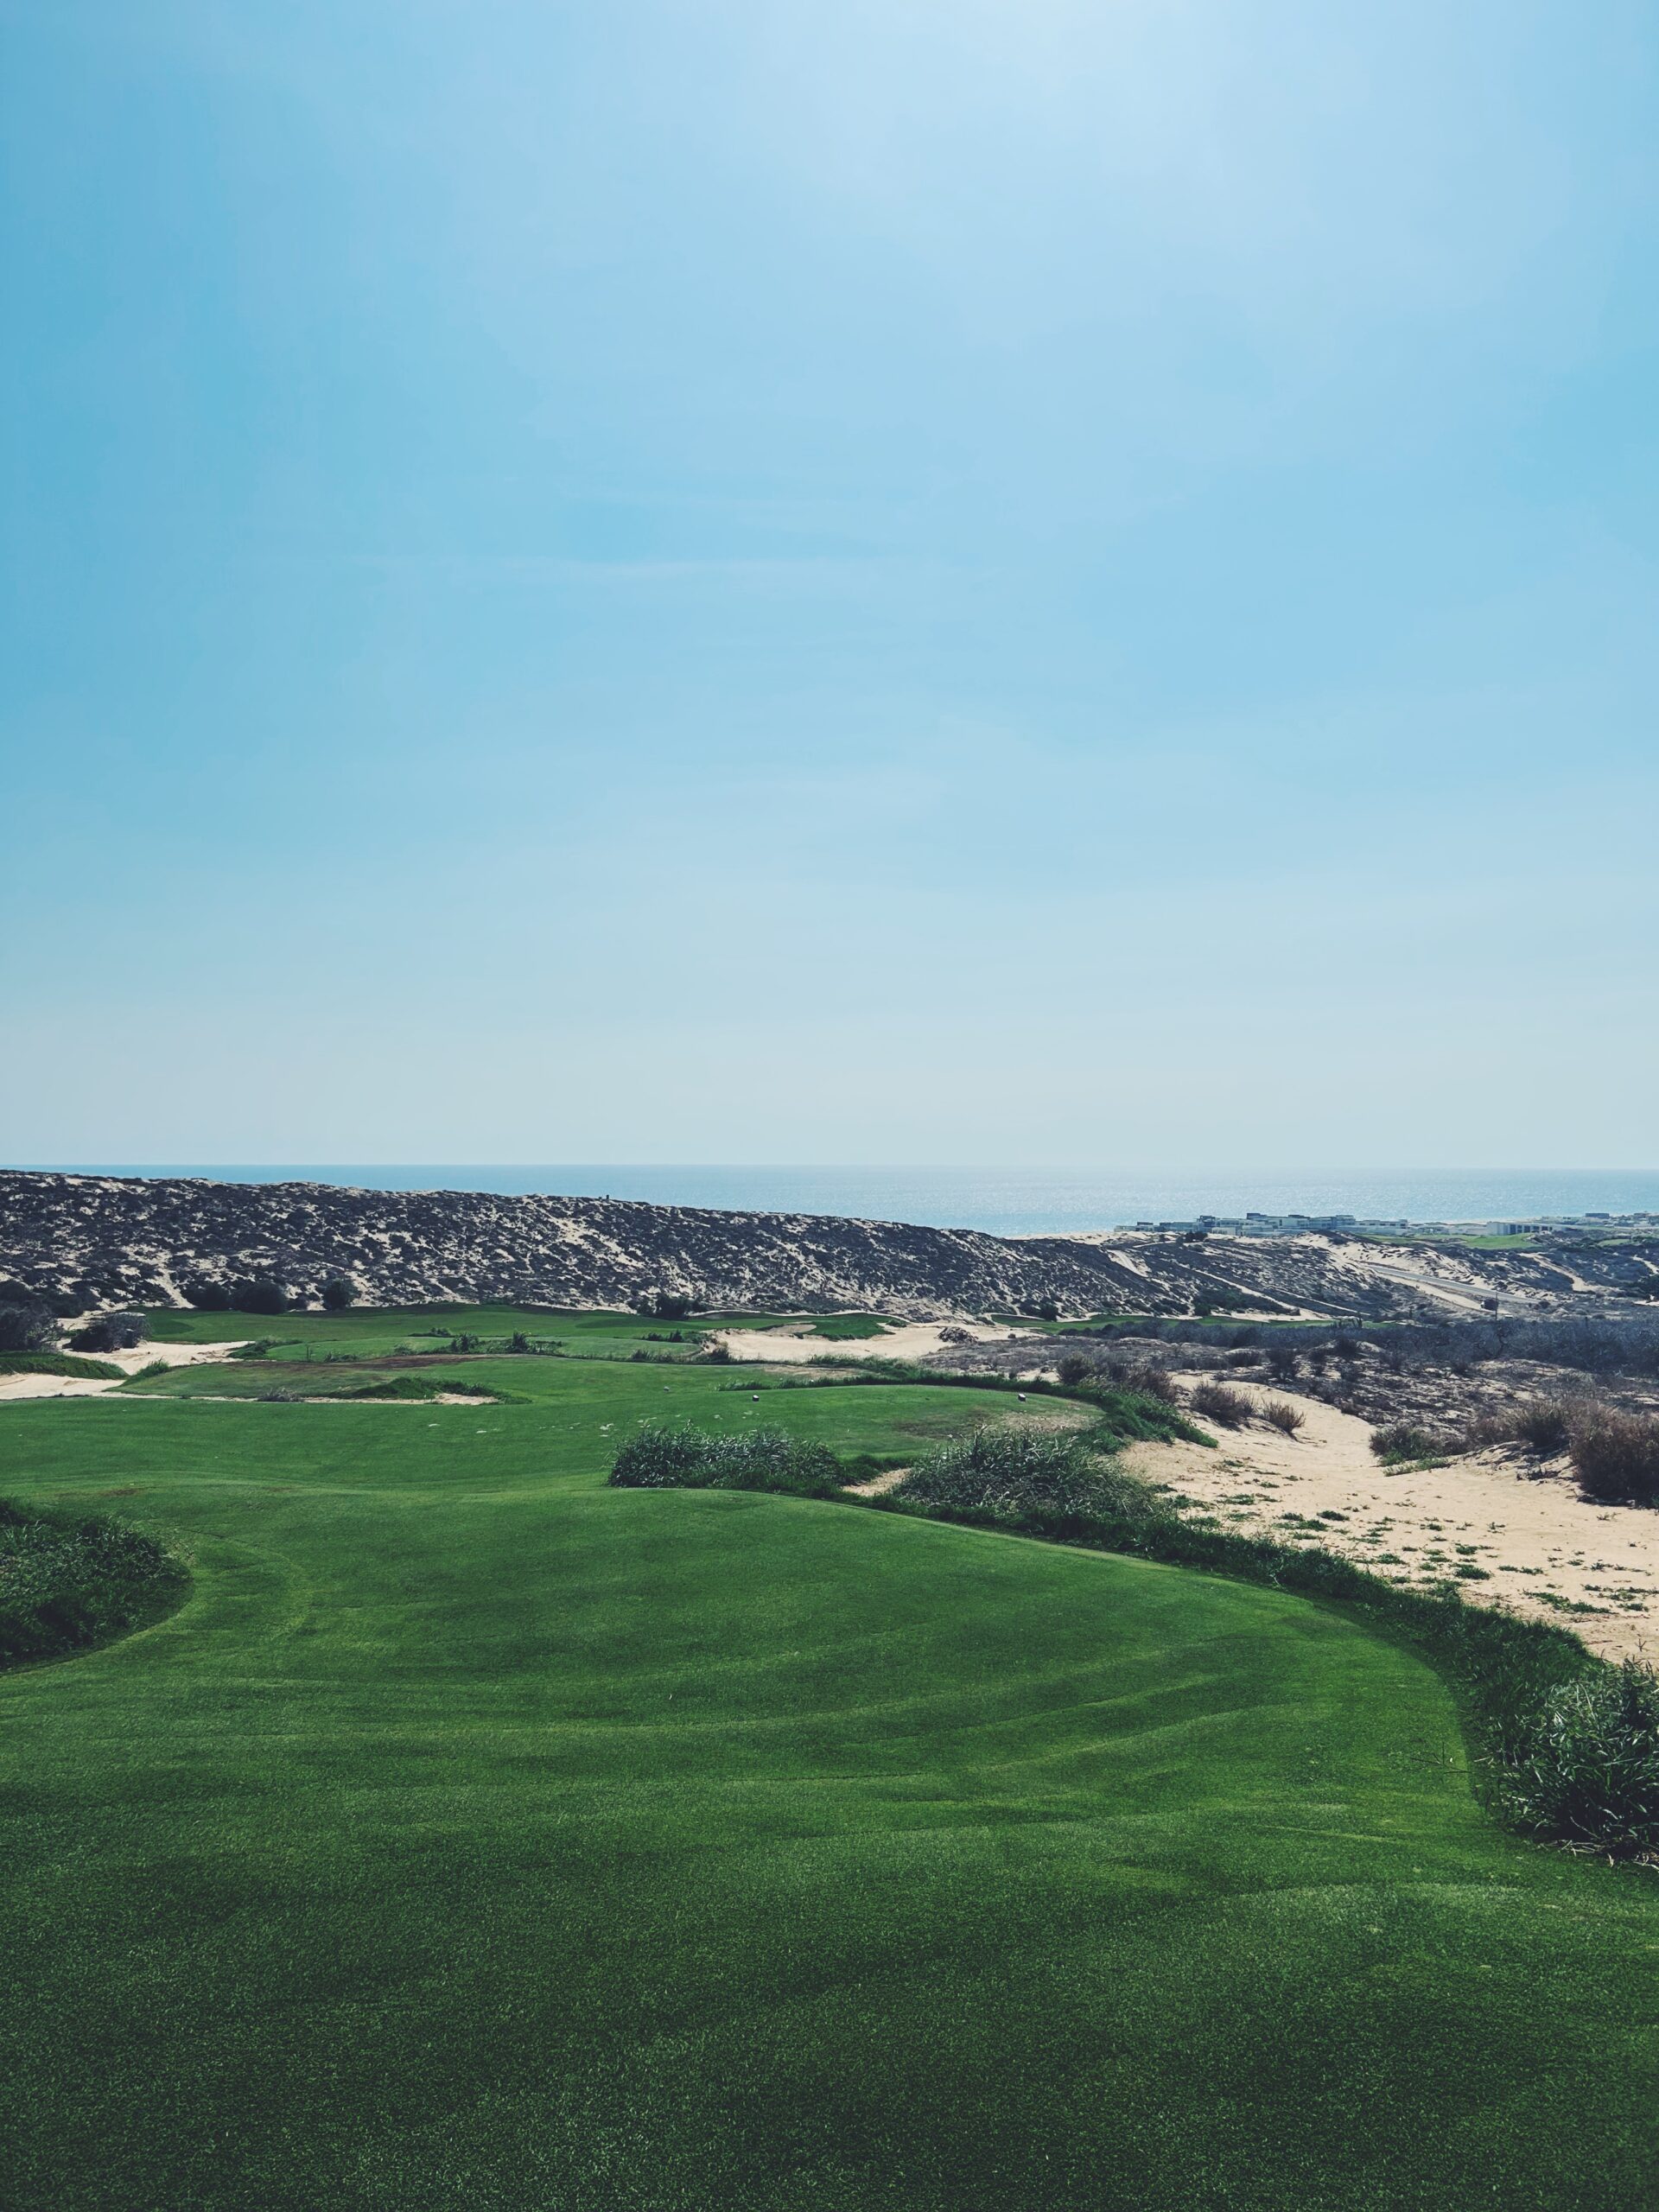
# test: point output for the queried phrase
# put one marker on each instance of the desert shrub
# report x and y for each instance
(1615, 1457)
(1283, 1363)
(1544, 1423)
(1584, 1764)
(1029, 1476)
(666, 1305)
(1487, 1427)
(1243, 1357)
(715, 1356)
(67, 1584)
(260, 1294)
(27, 1326)
(111, 1332)
(1074, 1369)
(206, 1297)
(1143, 1377)
(1403, 1440)
(1284, 1416)
(663, 1458)
(338, 1294)
(1151, 1381)
(1219, 1402)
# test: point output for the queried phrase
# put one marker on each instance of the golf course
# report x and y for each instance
(476, 1834)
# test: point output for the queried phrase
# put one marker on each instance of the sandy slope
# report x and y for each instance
(1526, 1527)
(129, 1363)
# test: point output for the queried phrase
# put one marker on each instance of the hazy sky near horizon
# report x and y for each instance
(940, 580)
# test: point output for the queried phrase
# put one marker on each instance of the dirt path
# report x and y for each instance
(1539, 1547)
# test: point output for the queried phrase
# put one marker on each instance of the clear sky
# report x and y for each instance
(938, 580)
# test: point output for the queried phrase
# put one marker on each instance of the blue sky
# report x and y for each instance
(929, 581)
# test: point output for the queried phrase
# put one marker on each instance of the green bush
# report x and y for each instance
(111, 1332)
(67, 1584)
(1584, 1763)
(27, 1324)
(663, 1457)
(338, 1294)
(1033, 1478)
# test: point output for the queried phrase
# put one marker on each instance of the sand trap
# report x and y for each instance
(1525, 1525)
(130, 1362)
(796, 1341)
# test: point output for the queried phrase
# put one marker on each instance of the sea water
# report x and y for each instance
(1015, 1201)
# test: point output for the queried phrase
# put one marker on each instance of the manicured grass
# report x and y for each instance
(477, 1836)
(371, 1332)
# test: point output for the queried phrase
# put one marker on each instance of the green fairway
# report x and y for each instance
(478, 1836)
(372, 1332)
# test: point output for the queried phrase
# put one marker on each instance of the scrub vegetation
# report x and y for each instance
(68, 1583)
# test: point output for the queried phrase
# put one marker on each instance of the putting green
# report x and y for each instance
(481, 1837)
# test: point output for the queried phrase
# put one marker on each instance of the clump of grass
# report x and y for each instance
(1401, 1442)
(67, 1584)
(663, 1457)
(1220, 1402)
(1545, 1423)
(152, 1367)
(1584, 1762)
(1282, 1415)
(1025, 1477)
(1615, 1457)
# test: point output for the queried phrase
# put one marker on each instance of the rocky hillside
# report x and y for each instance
(102, 1240)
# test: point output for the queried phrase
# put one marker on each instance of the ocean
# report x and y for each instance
(1013, 1201)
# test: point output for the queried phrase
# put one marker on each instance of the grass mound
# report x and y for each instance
(423, 1389)
(664, 1457)
(72, 1368)
(67, 1585)
(1574, 1742)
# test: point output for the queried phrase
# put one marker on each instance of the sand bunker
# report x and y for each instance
(796, 1341)
(1538, 1547)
